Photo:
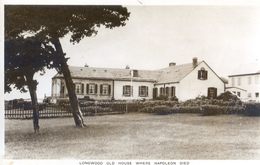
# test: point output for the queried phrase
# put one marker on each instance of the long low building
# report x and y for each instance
(184, 81)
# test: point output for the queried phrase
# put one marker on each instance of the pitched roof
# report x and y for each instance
(170, 74)
(175, 73)
(111, 74)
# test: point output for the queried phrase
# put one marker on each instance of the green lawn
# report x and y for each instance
(136, 136)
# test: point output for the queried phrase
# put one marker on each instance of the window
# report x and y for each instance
(233, 81)
(202, 74)
(256, 94)
(238, 94)
(238, 81)
(105, 89)
(162, 91)
(91, 88)
(82, 88)
(249, 95)
(143, 91)
(249, 80)
(78, 88)
(127, 90)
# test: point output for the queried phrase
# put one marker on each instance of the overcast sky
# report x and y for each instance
(227, 38)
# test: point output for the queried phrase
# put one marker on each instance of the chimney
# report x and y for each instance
(172, 64)
(135, 73)
(195, 62)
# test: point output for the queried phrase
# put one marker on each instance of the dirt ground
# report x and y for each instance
(136, 136)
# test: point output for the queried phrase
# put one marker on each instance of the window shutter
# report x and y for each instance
(87, 88)
(173, 92)
(206, 75)
(101, 89)
(199, 74)
(123, 90)
(109, 89)
(146, 90)
(96, 87)
(82, 88)
(139, 90)
(132, 90)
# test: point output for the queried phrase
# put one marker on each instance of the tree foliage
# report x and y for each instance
(57, 21)
(54, 22)
(24, 57)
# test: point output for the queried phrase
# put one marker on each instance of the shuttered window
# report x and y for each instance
(127, 90)
(105, 89)
(143, 91)
(202, 74)
(91, 88)
(78, 88)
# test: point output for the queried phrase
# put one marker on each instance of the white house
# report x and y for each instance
(245, 86)
(184, 81)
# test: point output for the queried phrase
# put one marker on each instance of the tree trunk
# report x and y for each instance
(32, 89)
(69, 84)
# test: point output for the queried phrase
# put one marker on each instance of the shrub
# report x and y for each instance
(227, 96)
(174, 99)
(252, 109)
(162, 97)
(189, 109)
(162, 110)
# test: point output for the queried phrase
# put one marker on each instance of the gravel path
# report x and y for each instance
(136, 136)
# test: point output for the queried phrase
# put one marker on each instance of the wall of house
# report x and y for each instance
(98, 95)
(250, 83)
(119, 90)
(191, 87)
(56, 88)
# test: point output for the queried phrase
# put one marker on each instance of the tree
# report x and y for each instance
(55, 22)
(23, 58)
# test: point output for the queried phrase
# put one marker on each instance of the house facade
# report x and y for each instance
(184, 81)
(245, 86)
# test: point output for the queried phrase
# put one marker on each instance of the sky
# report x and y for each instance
(226, 37)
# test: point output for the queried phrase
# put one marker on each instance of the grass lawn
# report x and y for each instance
(136, 136)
